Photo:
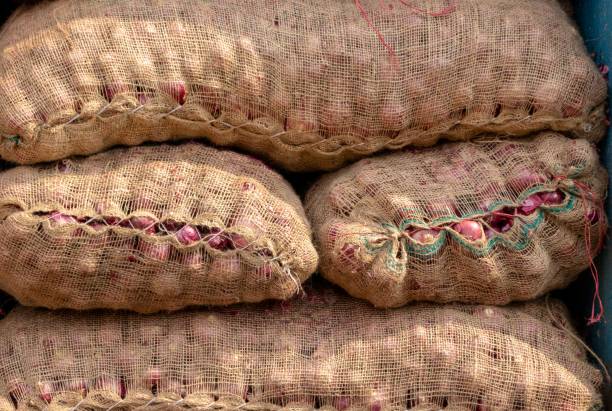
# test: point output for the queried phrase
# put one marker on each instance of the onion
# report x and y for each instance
(109, 91)
(193, 260)
(501, 224)
(45, 390)
(18, 389)
(96, 225)
(128, 359)
(205, 328)
(159, 251)
(377, 401)
(336, 114)
(441, 208)
(348, 253)
(153, 377)
(217, 240)
(225, 268)
(593, 216)
(79, 385)
(394, 114)
(552, 197)
(147, 224)
(525, 179)
(114, 385)
(238, 241)
(471, 230)
(530, 204)
(341, 403)
(58, 218)
(301, 121)
(264, 271)
(176, 89)
(188, 235)
(424, 236)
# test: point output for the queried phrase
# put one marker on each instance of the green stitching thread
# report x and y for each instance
(428, 249)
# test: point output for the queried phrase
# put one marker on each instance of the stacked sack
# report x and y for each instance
(506, 213)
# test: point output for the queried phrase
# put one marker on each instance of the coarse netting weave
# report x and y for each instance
(307, 83)
(323, 350)
(485, 222)
(151, 228)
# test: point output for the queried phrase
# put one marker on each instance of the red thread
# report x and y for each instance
(451, 7)
(586, 193)
(381, 38)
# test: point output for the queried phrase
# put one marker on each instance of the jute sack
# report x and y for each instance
(486, 222)
(323, 351)
(151, 228)
(310, 84)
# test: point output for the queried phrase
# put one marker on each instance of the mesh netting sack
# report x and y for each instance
(487, 222)
(324, 351)
(310, 84)
(151, 228)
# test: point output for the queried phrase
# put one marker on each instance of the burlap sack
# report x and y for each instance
(151, 228)
(310, 84)
(483, 222)
(324, 351)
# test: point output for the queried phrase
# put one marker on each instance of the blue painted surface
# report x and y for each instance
(594, 19)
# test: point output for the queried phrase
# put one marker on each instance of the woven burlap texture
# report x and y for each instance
(306, 83)
(151, 228)
(386, 227)
(323, 351)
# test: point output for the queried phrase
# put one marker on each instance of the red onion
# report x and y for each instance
(193, 260)
(238, 241)
(114, 385)
(552, 197)
(18, 389)
(64, 166)
(96, 225)
(58, 218)
(176, 386)
(217, 240)
(347, 253)
(205, 328)
(394, 114)
(111, 220)
(424, 236)
(301, 121)
(524, 179)
(376, 401)
(110, 90)
(530, 204)
(188, 235)
(502, 223)
(472, 230)
(159, 252)
(264, 271)
(153, 377)
(341, 403)
(45, 391)
(593, 216)
(79, 385)
(224, 267)
(176, 89)
(143, 223)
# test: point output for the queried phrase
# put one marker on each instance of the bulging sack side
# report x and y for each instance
(484, 222)
(311, 84)
(324, 352)
(151, 228)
